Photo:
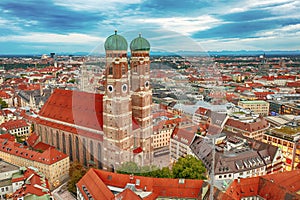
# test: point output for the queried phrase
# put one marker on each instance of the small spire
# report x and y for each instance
(116, 31)
(140, 34)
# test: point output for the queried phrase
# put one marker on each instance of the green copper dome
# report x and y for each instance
(116, 42)
(139, 44)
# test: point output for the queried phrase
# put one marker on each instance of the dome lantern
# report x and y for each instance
(139, 44)
(116, 42)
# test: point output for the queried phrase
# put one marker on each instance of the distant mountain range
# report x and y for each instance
(188, 53)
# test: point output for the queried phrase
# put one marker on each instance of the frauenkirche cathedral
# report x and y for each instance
(105, 130)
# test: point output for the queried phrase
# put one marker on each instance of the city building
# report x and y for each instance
(273, 186)
(102, 185)
(236, 156)
(181, 139)
(287, 138)
(51, 162)
(17, 128)
(258, 107)
(252, 128)
(6, 173)
(280, 120)
(30, 183)
(162, 133)
(105, 130)
(284, 107)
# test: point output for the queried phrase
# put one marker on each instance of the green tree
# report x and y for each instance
(76, 172)
(129, 168)
(3, 104)
(190, 168)
(71, 81)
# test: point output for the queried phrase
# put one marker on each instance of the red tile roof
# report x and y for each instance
(96, 181)
(71, 129)
(41, 146)
(8, 137)
(95, 186)
(274, 186)
(14, 124)
(262, 95)
(289, 180)
(261, 123)
(185, 135)
(201, 111)
(49, 156)
(32, 139)
(4, 95)
(128, 194)
(35, 185)
(293, 84)
(80, 108)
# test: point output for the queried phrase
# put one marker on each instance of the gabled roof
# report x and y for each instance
(48, 157)
(94, 186)
(74, 107)
(128, 194)
(14, 124)
(35, 184)
(96, 182)
(259, 124)
(8, 136)
(33, 137)
(284, 185)
(185, 135)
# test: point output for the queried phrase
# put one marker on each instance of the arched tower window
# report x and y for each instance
(84, 152)
(91, 151)
(46, 136)
(51, 137)
(110, 70)
(70, 148)
(41, 132)
(77, 148)
(57, 140)
(99, 156)
(123, 70)
(64, 142)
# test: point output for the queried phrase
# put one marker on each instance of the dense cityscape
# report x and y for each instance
(239, 114)
(149, 100)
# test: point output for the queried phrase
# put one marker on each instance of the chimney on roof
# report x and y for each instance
(239, 180)
(131, 177)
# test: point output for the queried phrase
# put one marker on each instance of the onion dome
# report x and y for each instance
(139, 44)
(116, 42)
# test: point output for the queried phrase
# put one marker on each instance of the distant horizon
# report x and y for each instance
(157, 53)
(204, 25)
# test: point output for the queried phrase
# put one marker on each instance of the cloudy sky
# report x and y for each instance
(43, 26)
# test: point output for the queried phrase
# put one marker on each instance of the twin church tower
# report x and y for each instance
(127, 118)
(107, 129)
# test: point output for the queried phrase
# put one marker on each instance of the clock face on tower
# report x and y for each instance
(147, 84)
(124, 87)
(110, 88)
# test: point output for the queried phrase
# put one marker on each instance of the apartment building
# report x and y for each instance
(16, 127)
(258, 107)
(237, 156)
(52, 163)
(287, 138)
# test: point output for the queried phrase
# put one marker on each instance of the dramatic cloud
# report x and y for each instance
(212, 24)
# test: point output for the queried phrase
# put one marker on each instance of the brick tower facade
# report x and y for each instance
(105, 130)
(142, 95)
(117, 113)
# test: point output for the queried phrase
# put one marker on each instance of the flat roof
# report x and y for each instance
(253, 102)
(288, 130)
(6, 167)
